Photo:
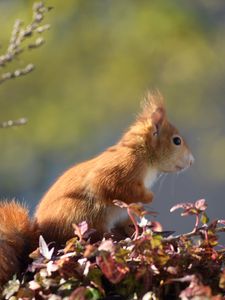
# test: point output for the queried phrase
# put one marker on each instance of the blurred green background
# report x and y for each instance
(99, 58)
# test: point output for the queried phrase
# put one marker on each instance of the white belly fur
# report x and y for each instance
(118, 215)
(150, 178)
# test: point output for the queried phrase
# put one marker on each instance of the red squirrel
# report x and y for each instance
(125, 171)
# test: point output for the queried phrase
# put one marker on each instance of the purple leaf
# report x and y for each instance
(181, 205)
(44, 248)
(83, 227)
(107, 245)
(115, 272)
(221, 222)
(80, 229)
(201, 204)
(79, 293)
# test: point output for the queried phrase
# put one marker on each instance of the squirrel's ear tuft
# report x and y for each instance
(153, 108)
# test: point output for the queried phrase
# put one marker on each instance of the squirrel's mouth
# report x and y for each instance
(173, 169)
(179, 168)
(184, 165)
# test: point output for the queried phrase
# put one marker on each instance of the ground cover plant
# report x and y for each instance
(152, 264)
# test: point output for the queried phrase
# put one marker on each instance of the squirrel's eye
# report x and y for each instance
(177, 140)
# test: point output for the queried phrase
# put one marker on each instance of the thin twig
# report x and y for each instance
(13, 123)
(16, 46)
(136, 232)
(20, 34)
(197, 232)
(17, 73)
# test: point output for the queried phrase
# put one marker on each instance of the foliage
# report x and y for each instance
(101, 56)
(151, 265)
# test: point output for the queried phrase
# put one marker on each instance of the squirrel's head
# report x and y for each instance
(166, 149)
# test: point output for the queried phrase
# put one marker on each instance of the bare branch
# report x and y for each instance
(22, 33)
(16, 46)
(11, 123)
(19, 72)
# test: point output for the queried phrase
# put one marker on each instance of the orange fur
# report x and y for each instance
(86, 191)
(17, 237)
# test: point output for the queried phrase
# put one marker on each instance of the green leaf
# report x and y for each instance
(11, 288)
(93, 294)
(204, 218)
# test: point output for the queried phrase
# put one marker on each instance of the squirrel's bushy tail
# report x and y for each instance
(18, 237)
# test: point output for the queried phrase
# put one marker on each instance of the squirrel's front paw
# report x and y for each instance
(148, 197)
